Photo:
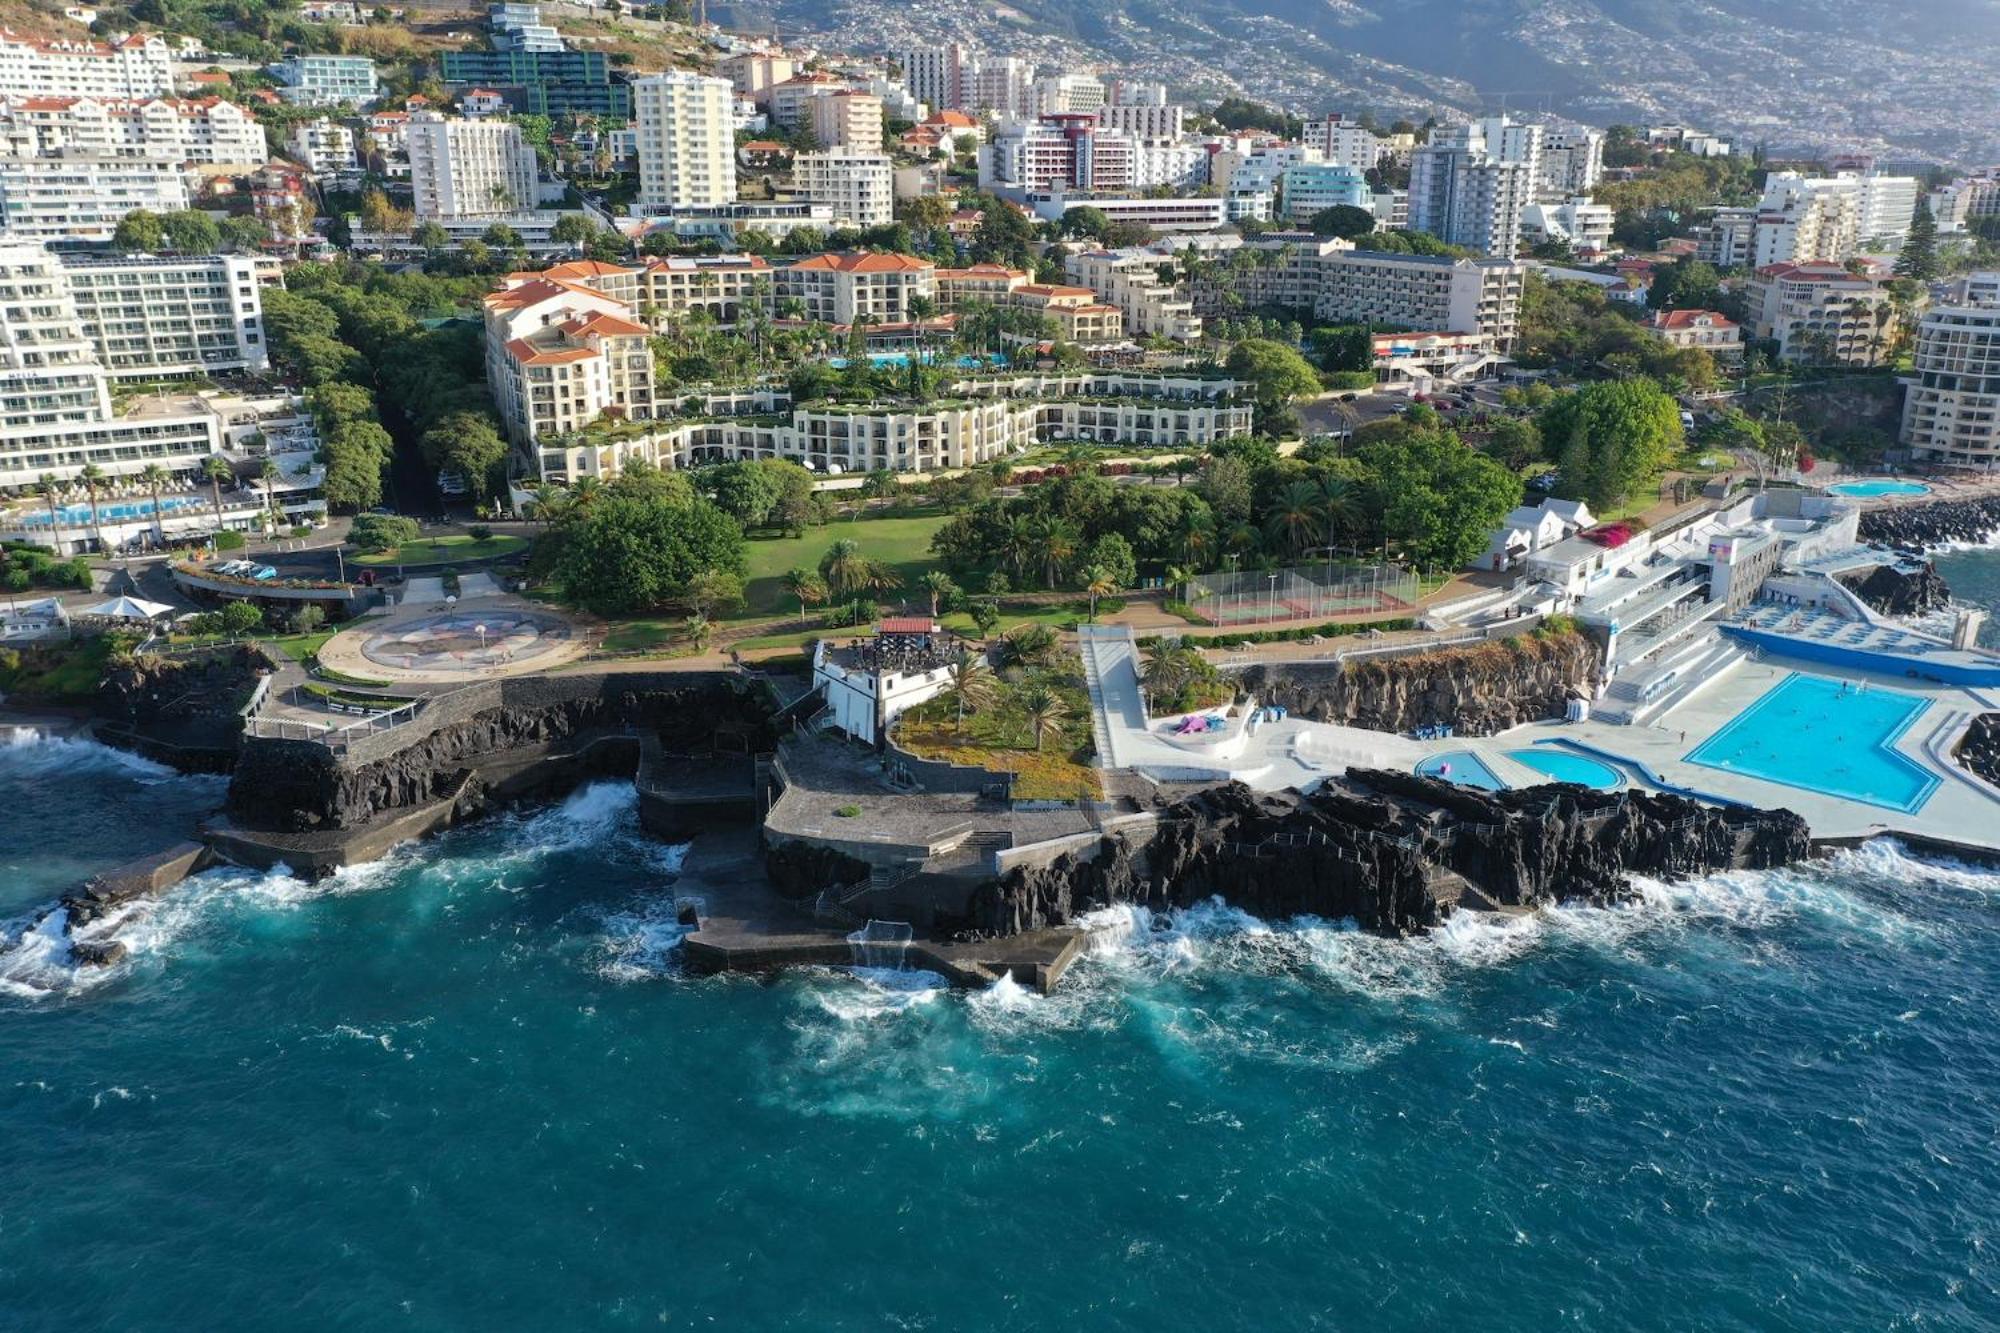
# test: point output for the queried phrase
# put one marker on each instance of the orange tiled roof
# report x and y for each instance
(1686, 319)
(863, 263)
(606, 326)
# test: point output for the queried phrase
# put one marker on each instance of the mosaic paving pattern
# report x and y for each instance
(468, 641)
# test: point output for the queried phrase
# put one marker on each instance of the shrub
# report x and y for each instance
(381, 532)
(230, 541)
(479, 532)
(847, 811)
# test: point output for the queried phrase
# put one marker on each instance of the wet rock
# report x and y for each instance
(1393, 851)
(1900, 592)
(98, 953)
(1933, 524)
(1979, 750)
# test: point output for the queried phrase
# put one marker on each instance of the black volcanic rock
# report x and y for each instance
(1932, 524)
(1896, 592)
(1979, 749)
(1394, 851)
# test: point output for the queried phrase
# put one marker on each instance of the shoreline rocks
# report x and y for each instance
(1899, 592)
(1933, 524)
(1396, 852)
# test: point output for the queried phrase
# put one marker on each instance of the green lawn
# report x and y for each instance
(901, 543)
(445, 551)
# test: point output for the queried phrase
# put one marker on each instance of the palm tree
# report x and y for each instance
(1059, 547)
(1165, 668)
(1178, 577)
(1029, 644)
(215, 469)
(880, 578)
(1340, 506)
(1198, 538)
(1019, 544)
(1294, 514)
(50, 489)
(93, 477)
(807, 586)
(941, 588)
(699, 629)
(1097, 582)
(969, 684)
(1044, 710)
(844, 568)
(155, 477)
(269, 474)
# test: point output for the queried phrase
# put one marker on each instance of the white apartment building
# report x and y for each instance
(1130, 280)
(55, 397)
(1821, 314)
(1064, 94)
(80, 197)
(1728, 239)
(203, 131)
(859, 187)
(1004, 85)
(328, 80)
(469, 168)
(1470, 183)
(1179, 164)
(1342, 143)
(323, 147)
(1428, 293)
(139, 66)
(1951, 404)
(164, 316)
(561, 356)
(1814, 219)
(1144, 120)
(847, 119)
(1176, 213)
(1584, 225)
(936, 75)
(687, 148)
(1967, 200)
(841, 288)
(1572, 161)
(1053, 151)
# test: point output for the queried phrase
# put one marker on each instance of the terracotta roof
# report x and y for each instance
(863, 263)
(606, 326)
(530, 355)
(1053, 289)
(957, 120)
(1687, 319)
(980, 271)
(906, 625)
(763, 146)
(580, 269)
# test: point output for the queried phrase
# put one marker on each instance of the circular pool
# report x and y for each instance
(1879, 489)
(1562, 766)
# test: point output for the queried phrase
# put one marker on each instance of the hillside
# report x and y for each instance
(1800, 73)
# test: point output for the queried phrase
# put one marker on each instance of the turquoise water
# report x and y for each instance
(1559, 766)
(900, 359)
(1463, 767)
(1875, 490)
(468, 1088)
(1826, 736)
(110, 512)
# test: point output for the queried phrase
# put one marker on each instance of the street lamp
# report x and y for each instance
(1273, 578)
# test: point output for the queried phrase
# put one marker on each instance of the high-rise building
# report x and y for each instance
(1004, 85)
(1313, 187)
(469, 168)
(937, 75)
(1058, 151)
(155, 317)
(1572, 161)
(1469, 184)
(83, 196)
(1430, 293)
(858, 187)
(1062, 94)
(1951, 403)
(847, 119)
(1147, 120)
(754, 73)
(686, 138)
(1342, 143)
(206, 131)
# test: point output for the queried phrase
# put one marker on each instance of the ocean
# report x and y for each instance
(469, 1087)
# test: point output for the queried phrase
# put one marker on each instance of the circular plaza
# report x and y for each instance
(440, 645)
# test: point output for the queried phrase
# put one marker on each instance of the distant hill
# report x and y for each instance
(1908, 76)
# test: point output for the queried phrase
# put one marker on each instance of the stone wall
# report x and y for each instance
(1479, 689)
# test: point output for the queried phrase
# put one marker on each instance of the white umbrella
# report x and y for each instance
(129, 608)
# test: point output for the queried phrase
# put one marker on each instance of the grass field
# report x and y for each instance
(444, 551)
(904, 544)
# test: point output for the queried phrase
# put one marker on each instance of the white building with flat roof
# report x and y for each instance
(324, 80)
(203, 131)
(83, 197)
(1427, 293)
(152, 317)
(323, 147)
(859, 187)
(686, 141)
(141, 65)
(1951, 400)
(469, 168)
(1470, 184)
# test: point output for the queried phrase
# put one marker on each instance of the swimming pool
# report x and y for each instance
(1560, 766)
(882, 360)
(1826, 736)
(111, 512)
(1875, 490)
(1463, 767)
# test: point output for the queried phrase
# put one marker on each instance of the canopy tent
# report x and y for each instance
(128, 608)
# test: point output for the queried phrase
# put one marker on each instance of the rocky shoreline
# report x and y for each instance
(1900, 592)
(1395, 852)
(1921, 526)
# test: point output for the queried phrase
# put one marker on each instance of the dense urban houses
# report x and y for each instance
(136, 67)
(463, 168)
(1951, 402)
(686, 145)
(205, 131)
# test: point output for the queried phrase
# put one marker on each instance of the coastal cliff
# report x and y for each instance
(1479, 690)
(508, 736)
(1393, 851)
(1933, 524)
(184, 710)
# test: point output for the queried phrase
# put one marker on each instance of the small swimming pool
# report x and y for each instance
(1561, 766)
(1463, 767)
(897, 360)
(1826, 736)
(1876, 490)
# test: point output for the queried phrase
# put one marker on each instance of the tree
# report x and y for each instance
(1440, 500)
(1294, 516)
(1619, 434)
(191, 232)
(466, 443)
(714, 590)
(940, 587)
(1919, 258)
(699, 630)
(573, 229)
(431, 237)
(140, 229)
(1342, 220)
(243, 233)
(1098, 582)
(985, 616)
(155, 479)
(746, 490)
(808, 587)
(268, 473)
(969, 685)
(1043, 709)
(1113, 554)
(1277, 375)
(1225, 484)
(626, 553)
(1685, 284)
(844, 568)
(92, 476)
(216, 468)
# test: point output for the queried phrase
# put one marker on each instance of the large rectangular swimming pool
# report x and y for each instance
(1826, 736)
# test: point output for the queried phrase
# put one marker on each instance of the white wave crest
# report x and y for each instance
(29, 757)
